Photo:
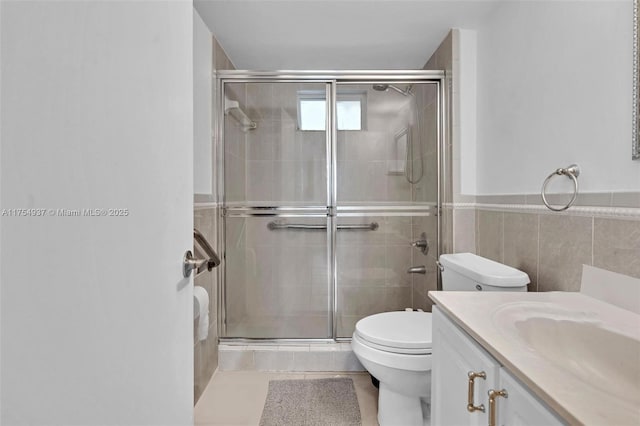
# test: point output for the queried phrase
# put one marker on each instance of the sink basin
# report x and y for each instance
(601, 358)
(578, 343)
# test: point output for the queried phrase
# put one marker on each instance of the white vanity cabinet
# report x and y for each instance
(454, 356)
(463, 374)
(521, 407)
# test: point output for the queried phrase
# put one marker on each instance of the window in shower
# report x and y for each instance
(350, 110)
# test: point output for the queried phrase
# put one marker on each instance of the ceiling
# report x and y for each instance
(336, 35)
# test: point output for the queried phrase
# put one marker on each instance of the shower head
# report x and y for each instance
(385, 87)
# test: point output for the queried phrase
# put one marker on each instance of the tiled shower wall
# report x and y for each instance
(442, 59)
(205, 220)
(372, 267)
(422, 284)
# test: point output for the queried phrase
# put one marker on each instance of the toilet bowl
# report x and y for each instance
(395, 347)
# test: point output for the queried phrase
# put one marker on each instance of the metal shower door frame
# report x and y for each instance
(331, 211)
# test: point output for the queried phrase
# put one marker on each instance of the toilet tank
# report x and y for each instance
(470, 272)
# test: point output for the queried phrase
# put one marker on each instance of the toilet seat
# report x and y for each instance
(397, 332)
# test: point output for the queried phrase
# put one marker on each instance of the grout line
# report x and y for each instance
(503, 236)
(476, 228)
(593, 237)
(538, 256)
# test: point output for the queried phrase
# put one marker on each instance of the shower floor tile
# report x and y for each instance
(237, 397)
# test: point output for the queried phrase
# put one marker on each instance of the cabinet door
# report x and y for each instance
(455, 354)
(521, 407)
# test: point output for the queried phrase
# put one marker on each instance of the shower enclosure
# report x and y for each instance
(330, 190)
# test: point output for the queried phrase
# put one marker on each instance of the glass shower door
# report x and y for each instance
(276, 226)
(327, 185)
(277, 277)
(387, 174)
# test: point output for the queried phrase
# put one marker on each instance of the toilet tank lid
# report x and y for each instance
(484, 271)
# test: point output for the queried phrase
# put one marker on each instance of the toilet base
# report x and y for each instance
(397, 409)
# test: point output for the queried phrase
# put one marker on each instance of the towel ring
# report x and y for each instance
(573, 171)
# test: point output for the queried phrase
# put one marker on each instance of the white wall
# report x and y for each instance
(203, 180)
(554, 88)
(97, 320)
(464, 111)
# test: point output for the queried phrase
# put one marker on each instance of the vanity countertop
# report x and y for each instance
(579, 355)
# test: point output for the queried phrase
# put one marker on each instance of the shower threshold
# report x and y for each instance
(287, 355)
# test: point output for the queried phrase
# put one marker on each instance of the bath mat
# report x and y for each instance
(311, 402)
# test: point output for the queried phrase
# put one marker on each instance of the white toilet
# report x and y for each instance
(395, 347)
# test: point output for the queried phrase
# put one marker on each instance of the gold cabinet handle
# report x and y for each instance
(493, 394)
(470, 404)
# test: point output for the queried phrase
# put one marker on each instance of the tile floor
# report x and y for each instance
(237, 397)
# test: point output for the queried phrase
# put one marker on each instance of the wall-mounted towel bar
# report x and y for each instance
(212, 257)
(311, 227)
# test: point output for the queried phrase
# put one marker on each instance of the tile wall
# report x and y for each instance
(205, 352)
(442, 59)
(422, 284)
(552, 247)
(316, 357)
(372, 267)
(205, 220)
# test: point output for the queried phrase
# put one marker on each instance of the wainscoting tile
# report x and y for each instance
(616, 246)
(565, 245)
(447, 230)
(464, 225)
(521, 244)
(489, 234)
(626, 199)
(198, 382)
(601, 199)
